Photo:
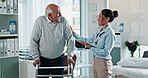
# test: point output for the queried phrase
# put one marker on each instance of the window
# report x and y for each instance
(30, 10)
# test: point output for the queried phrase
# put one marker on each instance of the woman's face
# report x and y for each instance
(102, 20)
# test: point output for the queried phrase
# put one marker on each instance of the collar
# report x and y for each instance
(47, 18)
(106, 29)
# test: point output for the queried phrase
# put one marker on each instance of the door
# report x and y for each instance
(10, 67)
(0, 69)
(115, 53)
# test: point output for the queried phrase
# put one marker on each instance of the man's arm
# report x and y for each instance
(69, 38)
(34, 42)
(70, 46)
(70, 42)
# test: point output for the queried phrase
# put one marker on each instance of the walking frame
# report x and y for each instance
(68, 69)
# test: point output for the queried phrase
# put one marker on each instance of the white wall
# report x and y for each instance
(134, 14)
(94, 8)
(123, 9)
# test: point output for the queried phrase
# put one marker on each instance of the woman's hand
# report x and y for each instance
(87, 45)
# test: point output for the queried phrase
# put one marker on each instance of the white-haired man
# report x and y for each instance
(49, 36)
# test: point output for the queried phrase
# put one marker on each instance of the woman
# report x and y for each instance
(101, 44)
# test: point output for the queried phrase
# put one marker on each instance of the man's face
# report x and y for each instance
(55, 16)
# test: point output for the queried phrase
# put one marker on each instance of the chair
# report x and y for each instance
(68, 69)
(145, 54)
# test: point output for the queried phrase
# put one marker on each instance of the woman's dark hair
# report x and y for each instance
(110, 14)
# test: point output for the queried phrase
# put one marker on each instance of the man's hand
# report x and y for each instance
(70, 61)
(36, 62)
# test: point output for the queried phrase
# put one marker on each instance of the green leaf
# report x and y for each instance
(132, 46)
(3, 0)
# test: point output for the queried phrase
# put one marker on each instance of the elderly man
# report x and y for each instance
(49, 36)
